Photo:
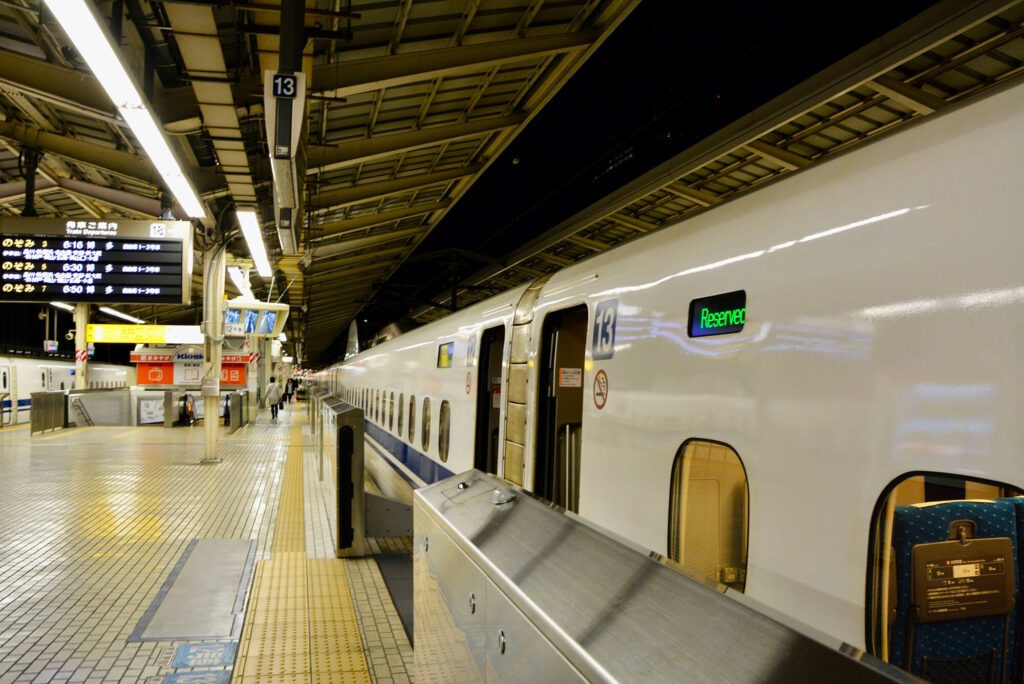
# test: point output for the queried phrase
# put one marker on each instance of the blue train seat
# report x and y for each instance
(949, 555)
(1017, 664)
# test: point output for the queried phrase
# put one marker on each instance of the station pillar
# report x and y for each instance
(252, 375)
(266, 366)
(213, 328)
(81, 346)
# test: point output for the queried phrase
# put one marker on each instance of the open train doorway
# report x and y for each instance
(560, 407)
(8, 401)
(488, 399)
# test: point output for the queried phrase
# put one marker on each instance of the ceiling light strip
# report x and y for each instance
(123, 316)
(254, 238)
(92, 43)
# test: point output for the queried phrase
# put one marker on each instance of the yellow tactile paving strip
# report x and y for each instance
(301, 624)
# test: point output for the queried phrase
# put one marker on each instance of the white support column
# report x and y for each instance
(81, 347)
(267, 364)
(252, 375)
(213, 327)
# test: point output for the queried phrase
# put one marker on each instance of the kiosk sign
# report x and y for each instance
(115, 261)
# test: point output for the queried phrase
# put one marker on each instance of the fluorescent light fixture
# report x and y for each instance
(92, 43)
(287, 359)
(241, 281)
(282, 337)
(254, 238)
(124, 316)
(62, 305)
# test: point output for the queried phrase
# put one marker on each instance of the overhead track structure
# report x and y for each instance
(951, 52)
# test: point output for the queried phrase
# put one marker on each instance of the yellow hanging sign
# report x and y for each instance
(128, 334)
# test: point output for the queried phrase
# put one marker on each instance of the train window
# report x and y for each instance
(922, 509)
(401, 405)
(412, 419)
(3, 376)
(426, 424)
(708, 513)
(443, 427)
(391, 412)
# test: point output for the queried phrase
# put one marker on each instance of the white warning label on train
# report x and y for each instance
(570, 377)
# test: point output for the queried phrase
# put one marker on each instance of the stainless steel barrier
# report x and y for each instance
(109, 406)
(48, 411)
(509, 588)
(354, 513)
(238, 409)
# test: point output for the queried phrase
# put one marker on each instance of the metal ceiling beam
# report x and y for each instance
(920, 101)
(336, 229)
(790, 160)
(103, 158)
(340, 284)
(111, 196)
(338, 261)
(338, 290)
(80, 91)
(314, 278)
(61, 86)
(333, 249)
(125, 164)
(327, 317)
(369, 149)
(365, 75)
(595, 245)
(15, 190)
(701, 197)
(370, 191)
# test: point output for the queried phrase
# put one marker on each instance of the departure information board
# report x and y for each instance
(113, 261)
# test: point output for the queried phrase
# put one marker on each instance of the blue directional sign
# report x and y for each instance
(286, 85)
(209, 654)
(207, 677)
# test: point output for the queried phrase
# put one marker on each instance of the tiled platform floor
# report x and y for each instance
(93, 519)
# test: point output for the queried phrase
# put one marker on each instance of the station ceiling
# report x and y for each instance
(409, 103)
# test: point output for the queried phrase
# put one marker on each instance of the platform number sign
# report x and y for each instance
(605, 314)
(286, 85)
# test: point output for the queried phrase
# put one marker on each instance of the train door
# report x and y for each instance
(8, 402)
(488, 399)
(560, 407)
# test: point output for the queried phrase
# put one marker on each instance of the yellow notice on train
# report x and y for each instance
(127, 334)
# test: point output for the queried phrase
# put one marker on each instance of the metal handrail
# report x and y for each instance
(77, 403)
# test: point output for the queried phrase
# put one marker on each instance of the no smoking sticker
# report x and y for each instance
(600, 389)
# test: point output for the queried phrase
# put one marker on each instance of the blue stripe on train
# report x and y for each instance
(23, 404)
(419, 463)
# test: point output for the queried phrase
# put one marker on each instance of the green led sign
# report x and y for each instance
(719, 314)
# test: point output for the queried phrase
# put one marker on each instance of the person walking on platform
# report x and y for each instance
(288, 391)
(273, 397)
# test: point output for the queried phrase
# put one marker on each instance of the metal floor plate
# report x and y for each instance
(203, 597)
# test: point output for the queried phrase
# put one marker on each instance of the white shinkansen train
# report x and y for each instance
(787, 394)
(21, 376)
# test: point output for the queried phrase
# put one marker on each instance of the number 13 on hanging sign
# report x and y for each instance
(603, 342)
(285, 85)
